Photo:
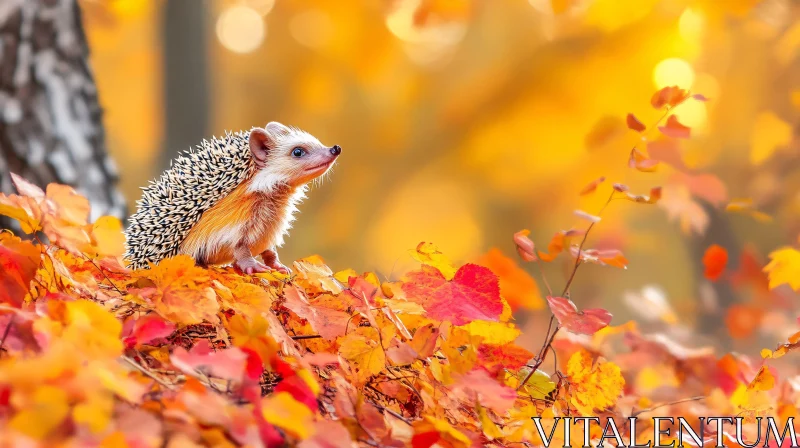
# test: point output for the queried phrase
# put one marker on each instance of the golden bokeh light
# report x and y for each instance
(311, 28)
(241, 29)
(673, 72)
(691, 25)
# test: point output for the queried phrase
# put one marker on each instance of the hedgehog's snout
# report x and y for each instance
(336, 150)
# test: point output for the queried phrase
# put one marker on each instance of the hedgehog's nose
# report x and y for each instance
(336, 150)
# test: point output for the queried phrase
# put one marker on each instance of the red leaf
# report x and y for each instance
(472, 294)
(675, 129)
(581, 322)
(495, 358)
(147, 329)
(478, 386)
(592, 186)
(634, 124)
(18, 263)
(715, 260)
(667, 151)
(299, 390)
(669, 96)
(226, 364)
(621, 188)
(700, 97)
(525, 247)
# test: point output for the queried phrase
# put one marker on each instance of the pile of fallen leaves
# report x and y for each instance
(95, 354)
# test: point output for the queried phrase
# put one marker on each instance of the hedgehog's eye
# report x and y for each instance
(298, 152)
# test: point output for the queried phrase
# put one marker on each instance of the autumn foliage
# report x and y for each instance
(179, 355)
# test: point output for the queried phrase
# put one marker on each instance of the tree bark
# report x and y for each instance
(185, 76)
(51, 126)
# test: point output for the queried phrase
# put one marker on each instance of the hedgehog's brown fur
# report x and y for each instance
(173, 204)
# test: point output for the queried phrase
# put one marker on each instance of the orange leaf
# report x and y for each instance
(592, 187)
(517, 286)
(609, 257)
(715, 260)
(655, 195)
(634, 124)
(669, 96)
(641, 162)
(675, 129)
(18, 263)
(525, 247)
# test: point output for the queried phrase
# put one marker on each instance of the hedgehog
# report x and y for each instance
(229, 199)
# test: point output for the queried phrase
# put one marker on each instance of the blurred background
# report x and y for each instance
(462, 122)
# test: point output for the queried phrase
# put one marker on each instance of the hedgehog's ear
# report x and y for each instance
(261, 143)
(275, 128)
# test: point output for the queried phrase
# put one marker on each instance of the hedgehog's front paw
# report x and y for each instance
(271, 260)
(250, 266)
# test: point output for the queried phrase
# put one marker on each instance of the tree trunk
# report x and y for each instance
(51, 126)
(185, 76)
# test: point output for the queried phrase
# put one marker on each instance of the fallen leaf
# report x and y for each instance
(594, 386)
(473, 293)
(19, 261)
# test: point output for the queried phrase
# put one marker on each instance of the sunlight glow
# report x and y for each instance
(691, 24)
(673, 72)
(241, 29)
(311, 28)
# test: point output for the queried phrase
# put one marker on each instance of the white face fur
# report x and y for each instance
(288, 155)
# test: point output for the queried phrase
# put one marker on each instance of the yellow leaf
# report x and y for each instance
(490, 429)
(108, 237)
(48, 409)
(365, 354)
(784, 267)
(114, 440)
(289, 414)
(23, 209)
(497, 333)
(428, 253)
(594, 386)
(95, 412)
(252, 333)
(763, 380)
(93, 329)
(433, 425)
(769, 133)
(538, 386)
(344, 276)
(766, 353)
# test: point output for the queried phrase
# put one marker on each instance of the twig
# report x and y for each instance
(8, 330)
(147, 372)
(544, 279)
(653, 408)
(104, 275)
(307, 336)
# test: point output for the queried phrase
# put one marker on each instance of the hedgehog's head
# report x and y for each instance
(285, 154)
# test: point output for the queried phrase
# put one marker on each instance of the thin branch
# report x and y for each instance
(653, 408)
(147, 372)
(8, 330)
(307, 336)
